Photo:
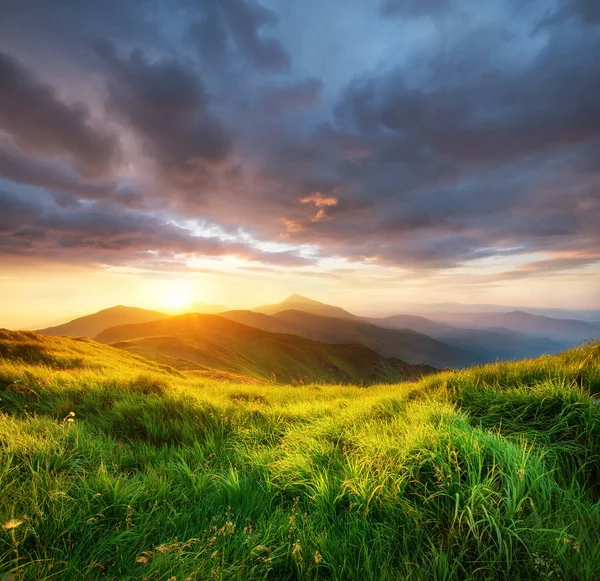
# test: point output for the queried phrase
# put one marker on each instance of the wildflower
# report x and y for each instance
(318, 557)
(12, 524)
(297, 551)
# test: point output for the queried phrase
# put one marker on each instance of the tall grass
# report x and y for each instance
(112, 467)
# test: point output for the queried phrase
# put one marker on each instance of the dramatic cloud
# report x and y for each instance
(38, 227)
(450, 133)
(301, 95)
(225, 30)
(41, 123)
(167, 107)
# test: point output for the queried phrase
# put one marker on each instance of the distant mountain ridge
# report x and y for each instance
(91, 325)
(491, 344)
(523, 322)
(405, 344)
(425, 309)
(484, 343)
(442, 339)
(201, 342)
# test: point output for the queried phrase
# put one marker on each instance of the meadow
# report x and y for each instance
(115, 467)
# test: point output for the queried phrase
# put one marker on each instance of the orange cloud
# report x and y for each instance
(321, 202)
(291, 226)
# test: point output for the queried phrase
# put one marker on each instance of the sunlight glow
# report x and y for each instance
(177, 296)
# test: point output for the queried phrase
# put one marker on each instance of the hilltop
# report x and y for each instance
(91, 325)
(196, 341)
(300, 303)
(486, 473)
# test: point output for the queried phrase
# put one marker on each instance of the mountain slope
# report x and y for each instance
(425, 309)
(404, 344)
(299, 303)
(203, 342)
(91, 325)
(491, 344)
(522, 322)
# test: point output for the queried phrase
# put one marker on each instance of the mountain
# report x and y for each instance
(414, 322)
(485, 342)
(91, 325)
(211, 342)
(425, 309)
(404, 344)
(491, 345)
(297, 302)
(522, 322)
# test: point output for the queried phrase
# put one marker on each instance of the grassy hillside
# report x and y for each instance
(91, 325)
(113, 467)
(404, 344)
(196, 341)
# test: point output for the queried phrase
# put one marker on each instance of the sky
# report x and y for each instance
(361, 152)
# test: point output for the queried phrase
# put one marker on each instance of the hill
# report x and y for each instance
(425, 309)
(299, 303)
(196, 341)
(522, 322)
(481, 344)
(489, 344)
(91, 325)
(487, 473)
(403, 344)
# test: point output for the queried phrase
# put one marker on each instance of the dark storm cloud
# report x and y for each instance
(167, 106)
(297, 96)
(586, 10)
(43, 124)
(497, 116)
(72, 24)
(21, 168)
(226, 30)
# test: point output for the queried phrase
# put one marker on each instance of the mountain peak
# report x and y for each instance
(297, 302)
(297, 298)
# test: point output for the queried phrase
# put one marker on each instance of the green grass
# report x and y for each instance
(114, 467)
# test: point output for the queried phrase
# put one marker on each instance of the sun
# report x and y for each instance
(177, 296)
